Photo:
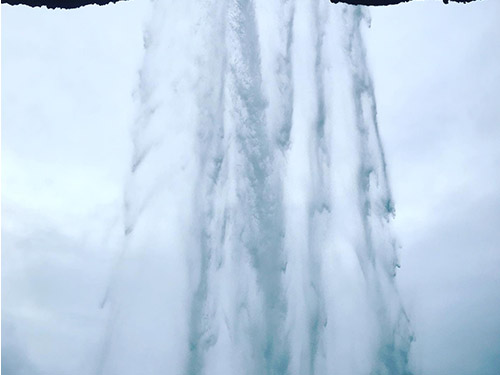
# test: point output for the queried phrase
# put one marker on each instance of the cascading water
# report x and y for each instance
(257, 211)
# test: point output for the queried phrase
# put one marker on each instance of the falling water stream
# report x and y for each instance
(257, 209)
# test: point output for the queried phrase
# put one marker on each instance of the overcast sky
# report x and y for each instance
(437, 76)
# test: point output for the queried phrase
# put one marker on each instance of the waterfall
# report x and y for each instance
(257, 210)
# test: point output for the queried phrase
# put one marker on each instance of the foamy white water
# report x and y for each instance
(257, 212)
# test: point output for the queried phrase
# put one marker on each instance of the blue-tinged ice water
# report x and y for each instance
(257, 208)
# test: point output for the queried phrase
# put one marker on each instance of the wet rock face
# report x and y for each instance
(387, 2)
(72, 4)
(59, 4)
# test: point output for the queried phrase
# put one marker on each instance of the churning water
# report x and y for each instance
(257, 212)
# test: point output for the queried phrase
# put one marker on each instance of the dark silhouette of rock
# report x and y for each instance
(71, 4)
(59, 4)
(386, 2)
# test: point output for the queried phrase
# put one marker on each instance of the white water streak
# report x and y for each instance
(258, 207)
